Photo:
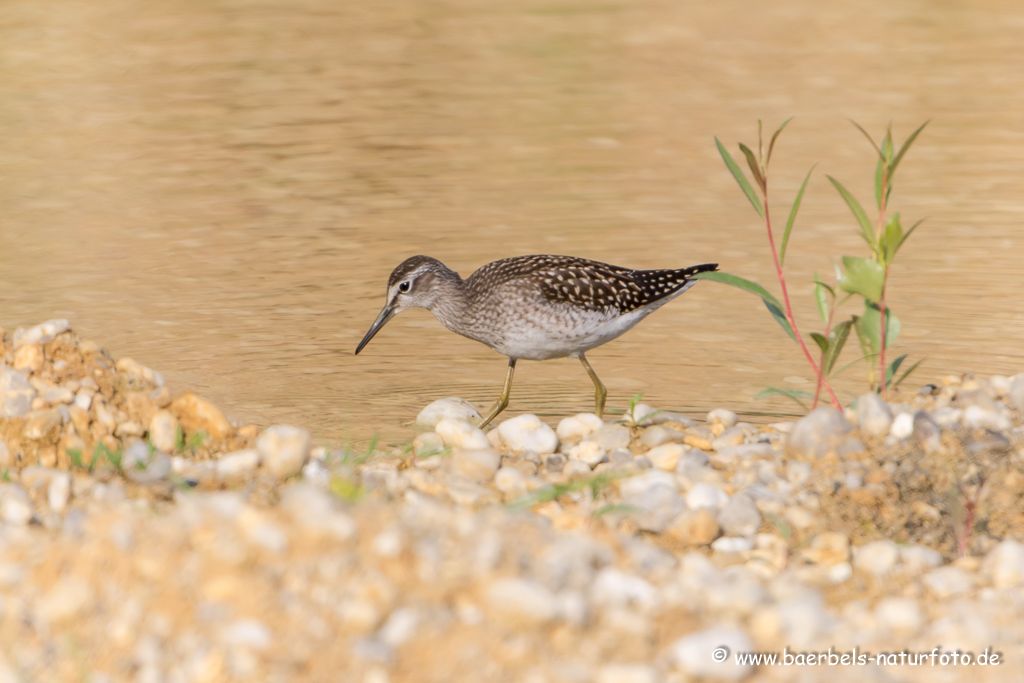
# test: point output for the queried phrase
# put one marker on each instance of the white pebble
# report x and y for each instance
(58, 491)
(902, 426)
(70, 597)
(588, 452)
(723, 417)
(640, 484)
(238, 465)
(873, 414)
(163, 431)
(947, 581)
(457, 433)
(732, 544)
(42, 333)
(400, 627)
(877, 557)
(476, 464)
(711, 653)
(520, 601)
(284, 449)
(528, 433)
(16, 393)
(666, 457)
(578, 426)
(510, 481)
(901, 617)
(15, 506)
(917, 558)
(977, 417)
(452, 408)
(1004, 564)
(250, 633)
(706, 495)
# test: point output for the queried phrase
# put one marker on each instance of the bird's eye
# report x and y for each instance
(404, 287)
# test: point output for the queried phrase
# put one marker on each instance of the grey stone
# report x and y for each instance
(238, 465)
(1016, 392)
(16, 393)
(948, 581)
(658, 435)
(730, 455)
(15, 505)
(1004, 564)
(706, 495)
(739, 517)
(610, 436)
(874, 415)
(817, 433)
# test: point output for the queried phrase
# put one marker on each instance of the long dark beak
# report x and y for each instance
(385, 315)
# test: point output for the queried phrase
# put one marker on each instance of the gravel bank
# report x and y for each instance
(147, 537)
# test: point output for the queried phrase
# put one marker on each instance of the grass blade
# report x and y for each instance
(752, 163)
(737, 173)
(792, 216)
(905, 147)
(775, 136)
(893, 368)
(821, 298)
(858, 212)
(906, 373)
(907, 234)
(797, 395)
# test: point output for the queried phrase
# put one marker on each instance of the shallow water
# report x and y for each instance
(221, 189)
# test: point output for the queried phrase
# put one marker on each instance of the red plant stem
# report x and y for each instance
(789, 309)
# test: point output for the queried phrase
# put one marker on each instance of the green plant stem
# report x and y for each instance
(828, 331)
(789, 308)
(881, 346)
(879, 228)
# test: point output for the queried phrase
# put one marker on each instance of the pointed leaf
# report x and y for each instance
(792, 216)
(836, 343)
(774, 307)
(908, 233)
(891, 240)
(906, 373)
(780, 318)
(870, 139)
(775, 136)
(821, 291)
(863, 276)
(792, 394)
(878, 183)
(754, 168)
(905, 147)
(740, 178)
(893, 368)
(821, 341)
(858, 212)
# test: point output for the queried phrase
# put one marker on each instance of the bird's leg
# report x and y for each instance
(600, 392)
(502, 402)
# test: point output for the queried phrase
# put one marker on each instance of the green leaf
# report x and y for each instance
(774, 307)
(754, 168)
(869, 329)
(792, 216)
(891, 240)
(858, 212)
(740, 178)
(821, 340)
(870, 139)
(792, 394)
(893, 368)
(908, 233)
(837, 340)
(906, 373)
(775, 136)
(905, 147)
(821, 298)
(863, 276)
(780, 318)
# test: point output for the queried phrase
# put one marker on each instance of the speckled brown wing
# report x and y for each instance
(596, 286)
